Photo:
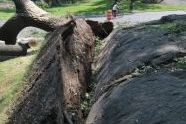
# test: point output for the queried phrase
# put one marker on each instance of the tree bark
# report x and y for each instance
(14, 50)
(59, 79)
(28, 14)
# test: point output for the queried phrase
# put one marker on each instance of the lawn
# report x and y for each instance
(6, 13)
(95, 7)
(14, 72)
(12, 78)
(92, 7)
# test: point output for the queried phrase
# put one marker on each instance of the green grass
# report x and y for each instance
(92, 7)
(96, 7)
(6, 13)
(13, 73)
(181, 63)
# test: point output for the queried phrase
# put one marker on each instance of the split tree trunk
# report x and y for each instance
(63, 69)
(60, 78)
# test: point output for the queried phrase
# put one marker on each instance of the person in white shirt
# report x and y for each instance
(114, 9)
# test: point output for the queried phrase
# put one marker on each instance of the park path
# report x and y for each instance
(133, 18)
(140, 17)
(174, 2)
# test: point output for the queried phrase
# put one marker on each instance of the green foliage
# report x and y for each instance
(42, 4)
(181, 63)
(178, 28)
(144, 69)
(87, 103)
(174, 27)
(97, 46)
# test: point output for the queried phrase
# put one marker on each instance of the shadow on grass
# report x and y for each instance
(5, 58)
(139, 6)
(7, 10)
(142, 6)
(96, 7)
(1, 99)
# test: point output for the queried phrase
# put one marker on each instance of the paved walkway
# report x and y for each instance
(126, 19)
(140, 17)
(134, 18)
(174, 2)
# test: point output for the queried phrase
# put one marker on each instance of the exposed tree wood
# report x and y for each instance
(101, 30)
(60, 78)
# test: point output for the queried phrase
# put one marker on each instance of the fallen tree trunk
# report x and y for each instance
(14, 50)
(28, 14)
(60, 78)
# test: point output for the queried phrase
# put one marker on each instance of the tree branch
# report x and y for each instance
(29, 14)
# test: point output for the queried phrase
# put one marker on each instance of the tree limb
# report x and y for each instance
(28, 14)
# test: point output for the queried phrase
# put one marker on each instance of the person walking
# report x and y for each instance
(114, 9)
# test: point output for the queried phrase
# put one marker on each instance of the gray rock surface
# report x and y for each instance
(157, 98)
(138, 80)
(127, 49)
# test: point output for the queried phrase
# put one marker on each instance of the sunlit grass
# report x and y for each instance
(12, 78)
(6, 13)
(14, 73)
(97, 7)
(94, 7)
(159, 7)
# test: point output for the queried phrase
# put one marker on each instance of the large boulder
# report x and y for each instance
(138, 80)
(156, 98)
